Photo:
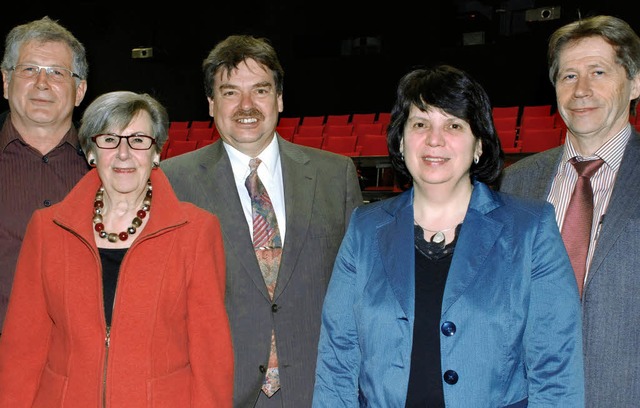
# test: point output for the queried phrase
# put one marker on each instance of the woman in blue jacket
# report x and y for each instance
(450, 294)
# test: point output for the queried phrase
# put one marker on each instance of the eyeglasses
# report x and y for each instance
(56, 74)
(112, 141)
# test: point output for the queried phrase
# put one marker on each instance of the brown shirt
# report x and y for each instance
(29, 180)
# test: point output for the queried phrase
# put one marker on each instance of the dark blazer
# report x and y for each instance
(610, 305)
(321, 190)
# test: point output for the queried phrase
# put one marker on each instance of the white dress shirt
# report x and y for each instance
(270, 173)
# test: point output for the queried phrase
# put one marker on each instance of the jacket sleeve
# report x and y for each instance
(554, 363)
(210, 347)
(26, 332)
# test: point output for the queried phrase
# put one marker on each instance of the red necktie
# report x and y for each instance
(268, 247)
(576, 229)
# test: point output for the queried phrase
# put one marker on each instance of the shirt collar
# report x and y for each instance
(9, 134)
(611, 151)
(240, 161)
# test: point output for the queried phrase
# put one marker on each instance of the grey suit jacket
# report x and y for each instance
(611, 297)
(321, 190)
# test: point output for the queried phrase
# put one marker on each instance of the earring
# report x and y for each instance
(92, 162)
(476, 159)
(156, 165)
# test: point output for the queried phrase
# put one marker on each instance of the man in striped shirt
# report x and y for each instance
(594, 65)
(44, 71)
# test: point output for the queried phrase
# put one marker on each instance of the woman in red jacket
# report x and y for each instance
(118, 298)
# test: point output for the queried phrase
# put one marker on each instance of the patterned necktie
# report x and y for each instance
(576, 229)
(268, 248)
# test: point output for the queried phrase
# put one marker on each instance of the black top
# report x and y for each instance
(111, 261)
(432, 267)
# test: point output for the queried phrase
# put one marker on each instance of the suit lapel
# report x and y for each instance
(469, 257)
(299, 179)
(218, 186)
(395, 244)
(472, 247)
(542, 177)
(625, 199)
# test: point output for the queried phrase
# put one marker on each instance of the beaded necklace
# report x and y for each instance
(98, 205)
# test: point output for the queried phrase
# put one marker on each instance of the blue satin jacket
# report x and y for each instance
(510, 321)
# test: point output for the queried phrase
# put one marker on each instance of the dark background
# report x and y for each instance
(337, 59)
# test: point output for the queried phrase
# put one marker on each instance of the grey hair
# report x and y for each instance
(115, 110)
(614, 31)
(43, 31)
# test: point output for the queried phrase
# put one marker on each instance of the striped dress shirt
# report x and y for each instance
(601, 182)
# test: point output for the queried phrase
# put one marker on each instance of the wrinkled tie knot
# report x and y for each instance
(587, 168)
(254, 163)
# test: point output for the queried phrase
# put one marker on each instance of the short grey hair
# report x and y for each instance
(115, 110)
(613, 30)
(43, 31)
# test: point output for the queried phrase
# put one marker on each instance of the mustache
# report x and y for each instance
(249, 113)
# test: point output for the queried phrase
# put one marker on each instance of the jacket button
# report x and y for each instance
(448, 328)
(45, 159)
(274, 308)
(450, 377)
(263, 369)
(47, 203)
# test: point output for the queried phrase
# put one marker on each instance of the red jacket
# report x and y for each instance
(170, 342)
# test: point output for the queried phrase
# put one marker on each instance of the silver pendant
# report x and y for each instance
(438, 237)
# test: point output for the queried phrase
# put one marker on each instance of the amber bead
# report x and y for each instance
(136, 222)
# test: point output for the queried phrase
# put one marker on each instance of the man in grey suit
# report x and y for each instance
(594, 65)
(313, 193)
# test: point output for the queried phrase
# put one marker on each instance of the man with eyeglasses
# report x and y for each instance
(44, 75)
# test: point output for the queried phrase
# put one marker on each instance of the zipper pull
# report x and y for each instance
(107, 340)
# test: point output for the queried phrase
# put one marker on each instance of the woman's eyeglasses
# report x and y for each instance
(112, 141)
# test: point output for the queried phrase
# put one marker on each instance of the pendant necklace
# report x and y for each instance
(439, 236)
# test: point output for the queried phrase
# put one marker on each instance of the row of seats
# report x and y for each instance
(196, 133)
(292, 133)
(528, 129)
(521, 112)
(343, 119)
(176, 147)
(187, 124)
(295, 121)
(522, 129)
(353, 134)
(531, 129)
(288, 132)
(352, 145)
